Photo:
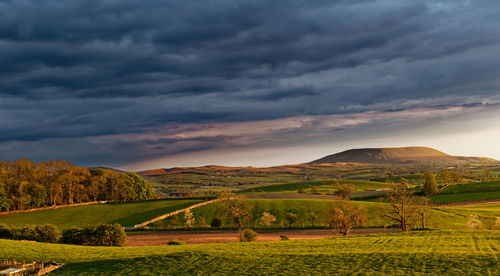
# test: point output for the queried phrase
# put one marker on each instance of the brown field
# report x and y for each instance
(223, 236)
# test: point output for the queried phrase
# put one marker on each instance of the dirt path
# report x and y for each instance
(164, 216)
(223, 236)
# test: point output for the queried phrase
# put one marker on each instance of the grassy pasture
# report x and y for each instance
(438, 217)
(126, 214)
(475, 191)
(489, 186)
(417, 178)
(322, 186)
(425, 252)
(462, 197)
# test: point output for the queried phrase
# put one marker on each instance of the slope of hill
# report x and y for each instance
(393, 254)
(125, 213)
(402, 155)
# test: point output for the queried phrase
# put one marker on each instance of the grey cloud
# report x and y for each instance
(72, 69)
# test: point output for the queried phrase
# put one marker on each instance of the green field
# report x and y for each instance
(129, 214)
(462, 197)
(437, 218)
(417, 178)
(425, 252)
(322, 186)
(489, 186)
(126, 214)
(476, 191)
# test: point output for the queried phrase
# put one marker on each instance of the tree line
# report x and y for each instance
(25, 184)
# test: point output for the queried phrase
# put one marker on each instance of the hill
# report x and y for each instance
(404, 155)
(125, 213)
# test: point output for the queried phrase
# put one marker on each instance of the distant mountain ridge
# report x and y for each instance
(403, 155)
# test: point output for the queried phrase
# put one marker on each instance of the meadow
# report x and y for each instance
(131, 213)
(327, 186)
(474, 191)
(127, 214)
(454, 217)
(414, 253)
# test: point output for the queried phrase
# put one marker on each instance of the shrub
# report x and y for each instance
(248, 235)
(5, 232)
(72, 236)
(28, 232)
(176, 242)
(284, 237)
(216, 222)
(100, 234)
(39, 233)
(48, 233)
(107, 234)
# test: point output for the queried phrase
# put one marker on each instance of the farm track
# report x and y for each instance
(50, 208)
(225, 236)
(164, 216)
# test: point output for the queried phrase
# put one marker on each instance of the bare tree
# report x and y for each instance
(402, 206)
(422, 206)
(343, 216)
(189, 218)
(291, 218)
(267, 219)
(236, 208)
(312, 218)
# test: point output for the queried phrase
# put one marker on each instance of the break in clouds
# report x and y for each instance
(120, 82)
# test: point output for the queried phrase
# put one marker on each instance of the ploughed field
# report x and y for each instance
(420, 252)
(224, 236)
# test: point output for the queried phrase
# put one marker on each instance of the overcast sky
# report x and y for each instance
(151, 84)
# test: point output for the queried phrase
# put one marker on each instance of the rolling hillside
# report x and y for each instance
(405, 155)
(423, 252)
(127, 214)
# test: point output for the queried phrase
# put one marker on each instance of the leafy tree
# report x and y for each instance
(291, 218)
(140, 189)
(430, 184)
(4, 201)
(26, 184)
(344, 191)
(343, 216)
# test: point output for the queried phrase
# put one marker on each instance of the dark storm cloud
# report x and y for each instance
(73, 71)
